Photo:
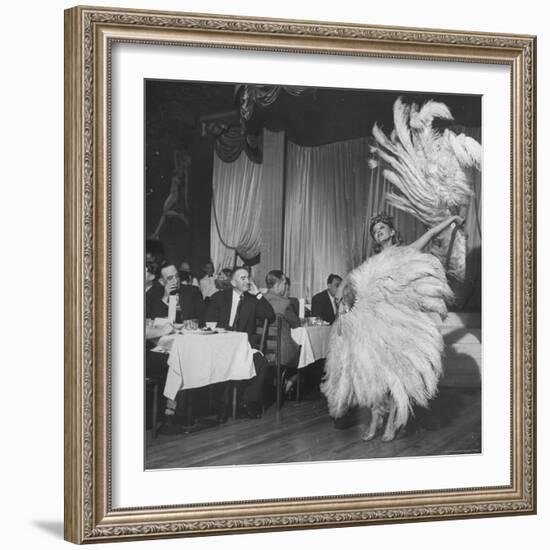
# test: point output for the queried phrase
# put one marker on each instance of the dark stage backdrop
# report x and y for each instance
(182, 241)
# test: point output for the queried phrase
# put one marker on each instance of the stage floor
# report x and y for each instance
(305, 432)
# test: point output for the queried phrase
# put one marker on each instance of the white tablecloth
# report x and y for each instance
(314, 342)
(198, 360)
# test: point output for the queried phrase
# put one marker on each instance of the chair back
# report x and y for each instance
(270, 346)
(270, 343)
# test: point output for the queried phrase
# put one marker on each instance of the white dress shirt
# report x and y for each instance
(333, 302)
(234, 305)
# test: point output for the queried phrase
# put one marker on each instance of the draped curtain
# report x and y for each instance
(323, 230)
(235, 225)
(330, 195)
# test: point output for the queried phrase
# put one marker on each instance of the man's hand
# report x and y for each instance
(170, 287)
(253, 289)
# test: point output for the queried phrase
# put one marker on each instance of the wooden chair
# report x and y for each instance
(270, 346)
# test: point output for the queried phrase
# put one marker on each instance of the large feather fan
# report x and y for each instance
(429, 170)
(389, 342)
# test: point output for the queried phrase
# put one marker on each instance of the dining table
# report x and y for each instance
(313, 342)
(199, 358)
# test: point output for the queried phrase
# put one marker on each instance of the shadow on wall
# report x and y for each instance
(462, 358)
(52, 527)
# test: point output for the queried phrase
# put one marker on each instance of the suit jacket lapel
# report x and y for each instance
(246, 310)
(330, 309)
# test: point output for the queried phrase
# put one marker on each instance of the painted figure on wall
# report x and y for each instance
(176, 204)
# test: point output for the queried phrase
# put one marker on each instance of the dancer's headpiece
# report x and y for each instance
(381, 218)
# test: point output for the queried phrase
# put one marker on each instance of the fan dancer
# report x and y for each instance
(385, 347)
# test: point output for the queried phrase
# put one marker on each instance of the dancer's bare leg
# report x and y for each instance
(156, 233)
(375, 422)
(391, 429)
(168, 214)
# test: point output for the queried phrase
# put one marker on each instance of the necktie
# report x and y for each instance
(238, 313)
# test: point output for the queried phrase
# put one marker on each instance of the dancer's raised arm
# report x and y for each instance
(421, 242)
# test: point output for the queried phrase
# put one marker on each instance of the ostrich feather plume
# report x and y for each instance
(428, 170)
(389, 343)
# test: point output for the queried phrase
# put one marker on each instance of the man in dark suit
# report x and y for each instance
(325, 304)
(154, 291)
(190, 304)
(239, 308)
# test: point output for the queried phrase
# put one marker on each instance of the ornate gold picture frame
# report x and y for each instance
(90, 35)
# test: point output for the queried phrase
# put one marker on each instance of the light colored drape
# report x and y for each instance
(271, 205)
(235, 217)
(331, 195)
(326, 198)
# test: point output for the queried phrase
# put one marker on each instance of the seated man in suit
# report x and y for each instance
(156, 368)
(154, 291)
(156, 365)
(190, 304)
(239, 308)
(325, 304)
(277, 286)
(154, 258)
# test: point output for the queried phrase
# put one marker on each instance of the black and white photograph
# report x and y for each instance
(313, 267)
(338, 321)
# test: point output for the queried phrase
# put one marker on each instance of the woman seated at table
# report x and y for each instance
(276, 284)
(294, 302)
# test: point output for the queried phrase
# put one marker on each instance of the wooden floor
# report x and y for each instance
(305, 432)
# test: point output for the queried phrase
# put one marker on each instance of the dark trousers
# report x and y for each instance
(251, 390)
(254, 388)
(156, 366)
